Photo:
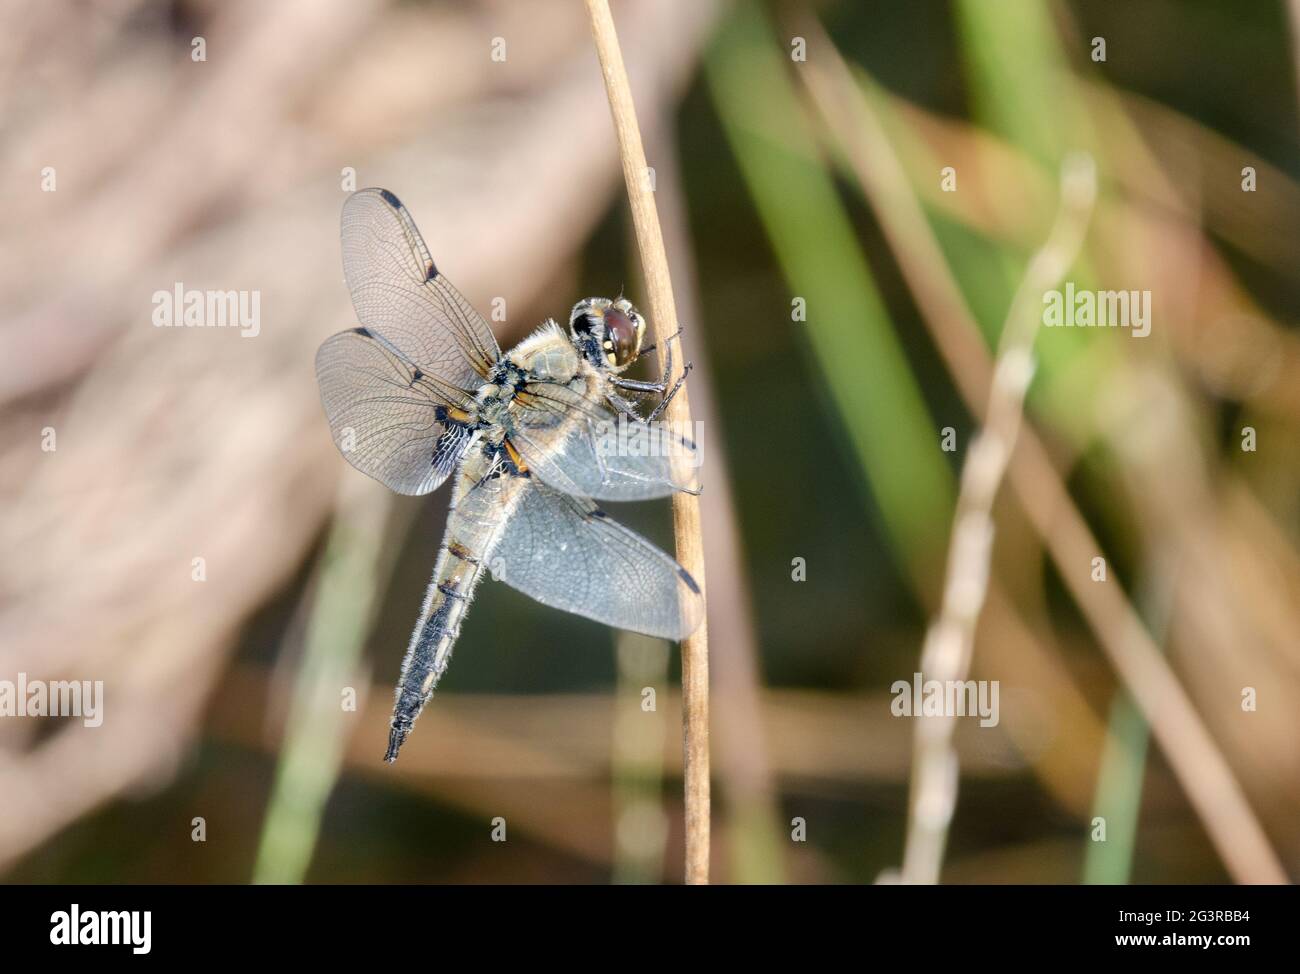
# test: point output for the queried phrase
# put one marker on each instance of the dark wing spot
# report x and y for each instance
(363, 332)
(598, 513)
(432, 273)
(416, 376)
(690, 582)
(390, 199)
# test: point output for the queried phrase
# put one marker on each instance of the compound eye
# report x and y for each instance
(620, 338)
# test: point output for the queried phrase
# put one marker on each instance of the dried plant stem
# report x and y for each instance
(951, 637)
(686, 507)
(1201, 767)
(740, 760)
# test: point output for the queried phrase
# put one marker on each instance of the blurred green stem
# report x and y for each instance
(317, 723)
(865, 371)
(1118, 800)
(1026, 97)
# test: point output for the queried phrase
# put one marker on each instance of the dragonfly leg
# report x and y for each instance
(668, 341)
(660, 386)
(636, 385)
(668, 397)
(668, 360)
(624, 406)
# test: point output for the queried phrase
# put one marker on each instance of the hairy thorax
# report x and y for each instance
(546, 356)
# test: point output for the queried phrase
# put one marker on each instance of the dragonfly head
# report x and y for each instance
(609, 333)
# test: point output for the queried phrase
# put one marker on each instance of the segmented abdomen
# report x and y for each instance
(480, 507)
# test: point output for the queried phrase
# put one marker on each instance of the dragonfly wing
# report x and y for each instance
(577, 443)
(565, 552)
(393, 388)
(388, 419)
(399, 292)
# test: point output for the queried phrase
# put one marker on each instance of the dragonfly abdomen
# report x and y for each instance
(455, 577)
(472, 532)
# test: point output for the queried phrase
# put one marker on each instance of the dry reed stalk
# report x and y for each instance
(951, 638)
(1203, 771)
(739, 758)
(686, 507)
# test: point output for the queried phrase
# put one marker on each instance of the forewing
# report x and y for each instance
(392, 388)
(577, 443)
(567, 553)
(386, 415)
(399, 293)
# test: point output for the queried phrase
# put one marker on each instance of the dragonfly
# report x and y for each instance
(419, 393)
